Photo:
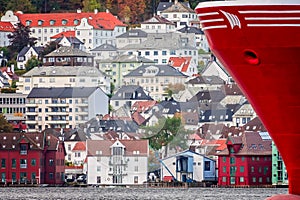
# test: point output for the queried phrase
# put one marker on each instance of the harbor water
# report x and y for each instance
(89, 193)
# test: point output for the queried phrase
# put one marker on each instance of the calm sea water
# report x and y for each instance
(74, 193)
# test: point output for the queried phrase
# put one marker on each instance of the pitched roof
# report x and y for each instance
(6, 27)
(77, 71)
(142, 106)
(161, 70)
(191, 29)
(211, 80)
(179, 7)
(38, 141)
(62, 92)
(133, 33)
(38, 50)
(157, 20)
(68, 51)
(180, 63)
(99, 20)
(79, 146)
(64, 34)
(251, 143)
(105, 47)
(133, 92)
(131, 147)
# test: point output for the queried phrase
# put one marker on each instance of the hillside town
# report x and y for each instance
(113, 105)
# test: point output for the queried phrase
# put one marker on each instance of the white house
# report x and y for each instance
(63, 107)
(187, 166)
(158, 24)
(63, 76)
(27, 53)
(6, 28)
(92, 28)
(161, 46)
(180, 14)
(117, 162)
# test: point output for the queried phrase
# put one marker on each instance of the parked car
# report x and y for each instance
(81, 178)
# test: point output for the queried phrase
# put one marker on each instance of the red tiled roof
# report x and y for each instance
(180, 62)
(138, 118)
(79, 146)
(6, 27)
(142, 106)
(100, 20)
(64, 34)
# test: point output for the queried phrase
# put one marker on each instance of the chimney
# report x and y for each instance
(95, 11)
(78, 10)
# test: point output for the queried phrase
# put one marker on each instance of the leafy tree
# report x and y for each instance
(4, 125)
(131, 11)
(20, 38)
(90, 5)
(21, 5)
(49, 48)
(31, 63)
(161, 134)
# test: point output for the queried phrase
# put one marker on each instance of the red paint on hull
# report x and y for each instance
(260, 47)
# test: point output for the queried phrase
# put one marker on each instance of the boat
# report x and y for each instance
(258, 42)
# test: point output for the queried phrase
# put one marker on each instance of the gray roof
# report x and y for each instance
(133, 92)
(105, 47)
(157, 20)
(72, 40)
(126, 59)
(85, 71)
(179, 7)
(171, 41)
(163, 70)
(133, 33)
(38, 50)
(164, 5)
(191, 29)
(62, 92)
(68, 51)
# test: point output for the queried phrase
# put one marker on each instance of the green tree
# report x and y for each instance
(31, 63)
(20, 38)
(4, 125)
(21, 5)
(161, 134)
(90, 5)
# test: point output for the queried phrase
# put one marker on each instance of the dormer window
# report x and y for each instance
(40, 22)
(23, 149)
(28, 22)
(76, 21)
(52, 22)
(64, 22)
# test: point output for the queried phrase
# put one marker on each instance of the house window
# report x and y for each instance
(254, 179)
(136, 168)
(3, 163)
(232, 180)
(242, 169)
(33, 175)
(224, 159)
(51, 162)
(252, 169)
(98, 179)
(242, 179)
(232, 160)
(23, 163)
(224, 179)
(164, 53)
(155, 53)
(69, 147)
(98, 168)
(136, 179)
(51, 176)
(147, 53)
(224, 169)
(3, 177)
(33, 162)
(13, 163)
(207, 166)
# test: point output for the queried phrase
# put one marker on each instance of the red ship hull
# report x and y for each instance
(259, 45)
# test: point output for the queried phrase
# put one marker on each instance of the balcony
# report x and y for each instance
(58, 122)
